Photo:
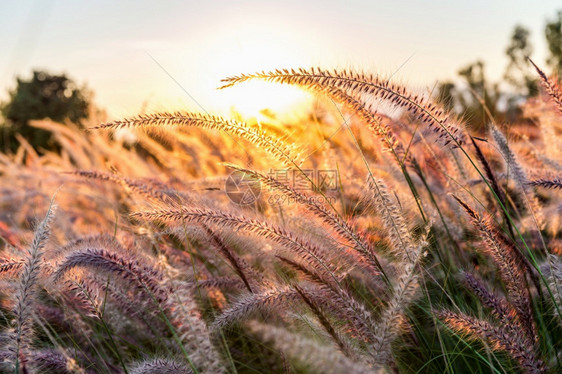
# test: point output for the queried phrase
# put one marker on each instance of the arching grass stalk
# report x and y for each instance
(399, 96)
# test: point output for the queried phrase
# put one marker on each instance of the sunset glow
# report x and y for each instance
(112, 47)
(299, 186)
(249, 49)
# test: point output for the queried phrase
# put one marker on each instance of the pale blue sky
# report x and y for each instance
(109, 44)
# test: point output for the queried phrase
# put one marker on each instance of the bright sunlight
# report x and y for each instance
(251, 48)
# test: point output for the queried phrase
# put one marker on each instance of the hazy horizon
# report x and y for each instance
(126, 52)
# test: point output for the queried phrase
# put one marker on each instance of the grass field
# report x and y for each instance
(377, 234)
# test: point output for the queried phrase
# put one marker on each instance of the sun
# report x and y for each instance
(251, 98)
(247, 50)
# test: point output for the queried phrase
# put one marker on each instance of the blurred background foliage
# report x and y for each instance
(477, 98)
(44, 95)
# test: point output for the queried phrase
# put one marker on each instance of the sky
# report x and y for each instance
(165, 55)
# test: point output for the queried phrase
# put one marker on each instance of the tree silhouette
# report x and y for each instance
(469, 97)
(518, 73)
(43, 96)
(481, 94)
(553, 34)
